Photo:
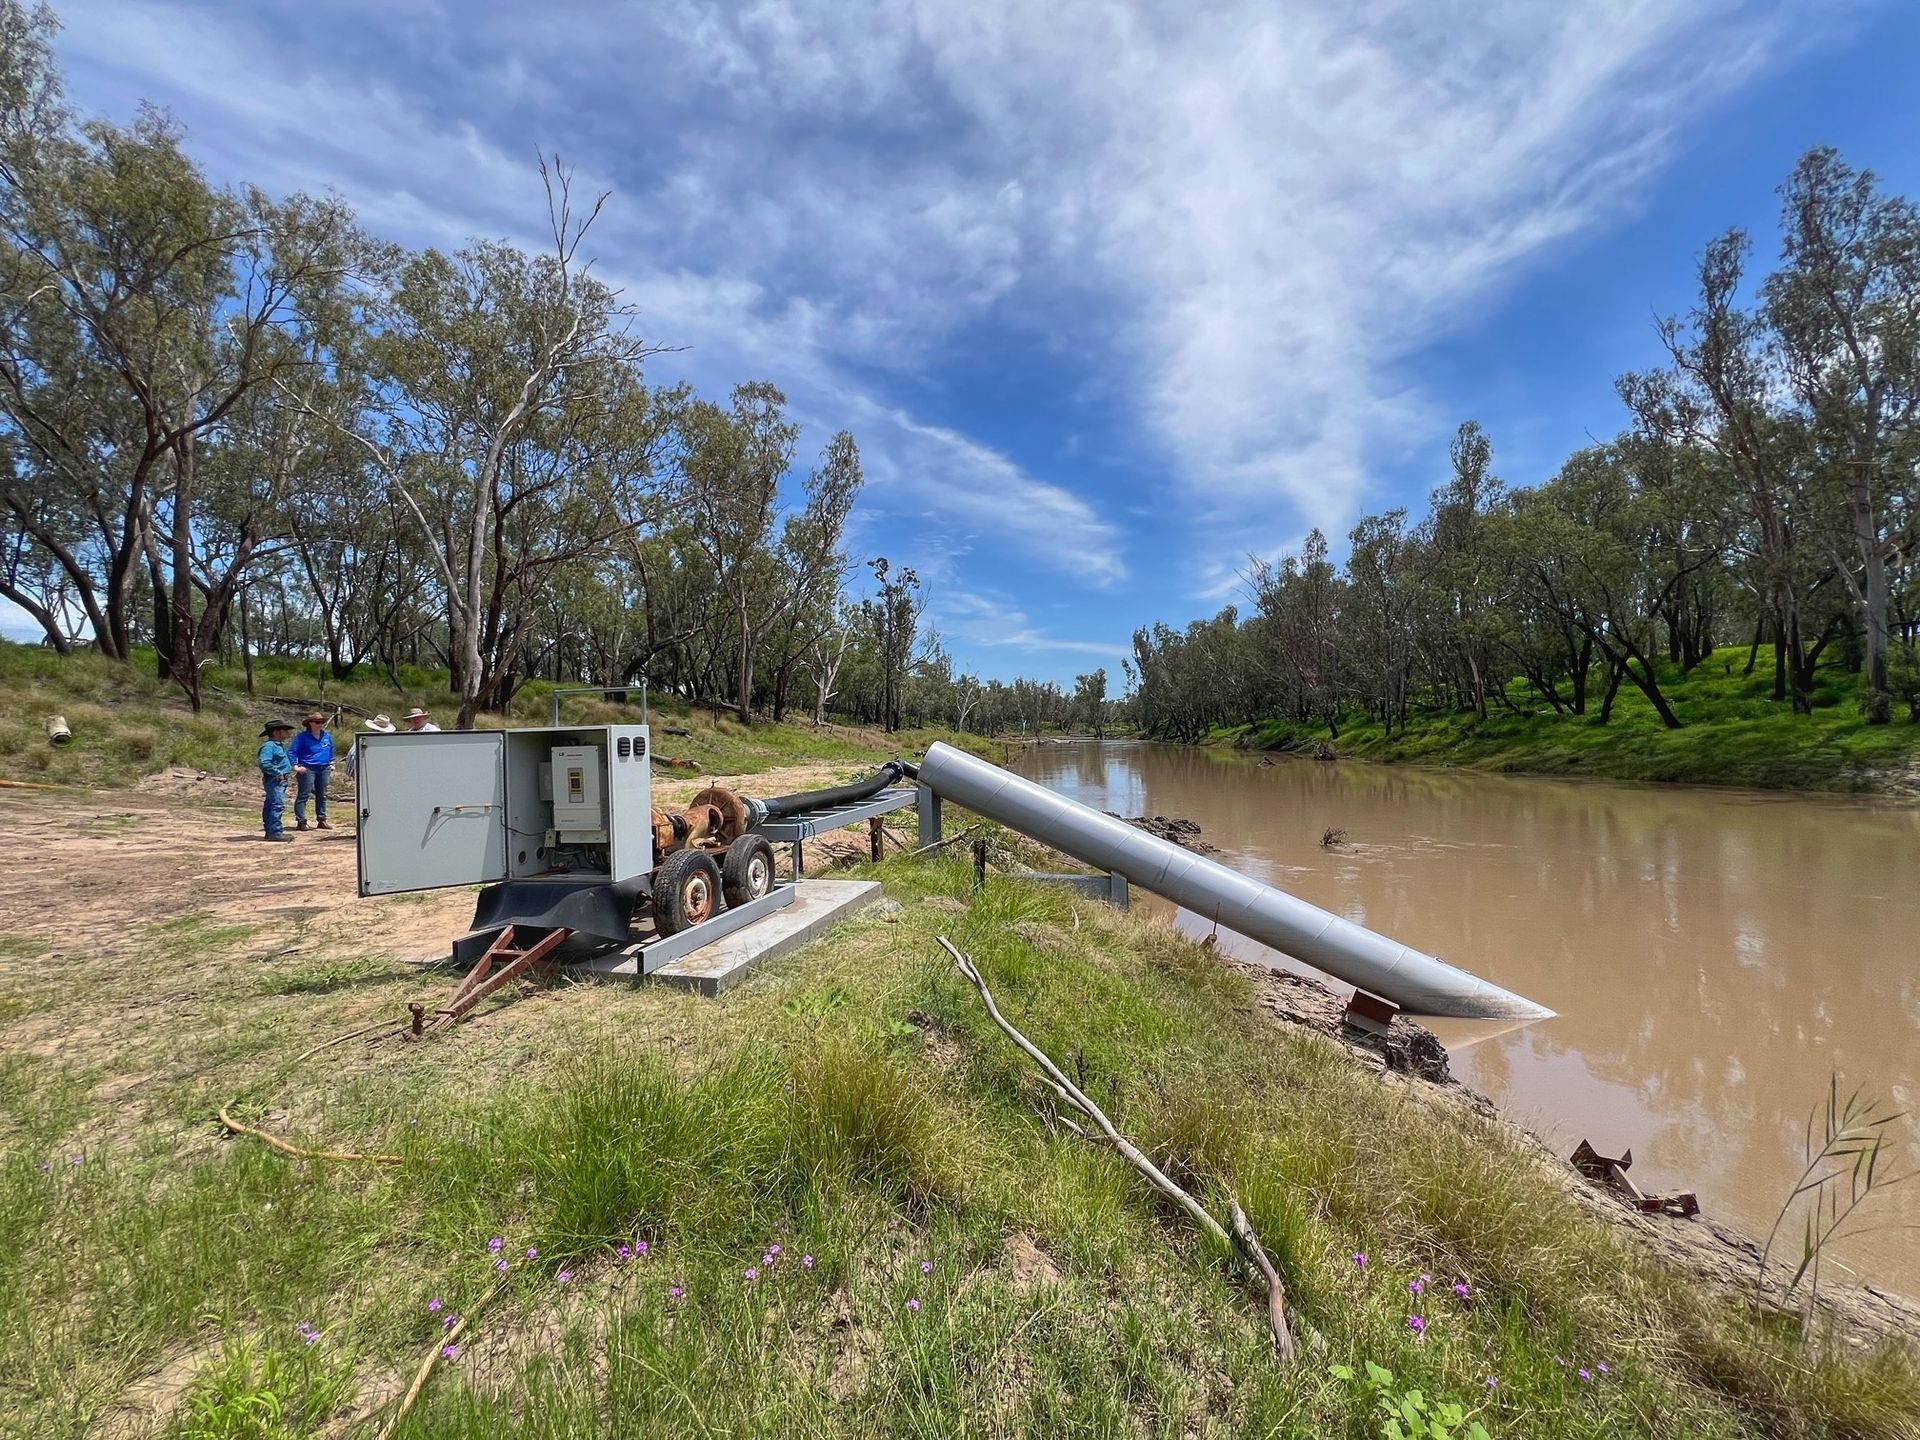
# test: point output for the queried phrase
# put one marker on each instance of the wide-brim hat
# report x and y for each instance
(266, 731)
(416, 714)
(380, 723)
(316, 715)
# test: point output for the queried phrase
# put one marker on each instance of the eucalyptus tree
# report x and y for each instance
(1845, 306)
(508, 416)
(144, 312)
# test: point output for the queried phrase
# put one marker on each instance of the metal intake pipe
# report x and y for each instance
(1413, 981)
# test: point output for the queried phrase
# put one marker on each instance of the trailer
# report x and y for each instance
(558, 823)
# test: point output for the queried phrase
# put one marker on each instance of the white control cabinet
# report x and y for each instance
(476, 807)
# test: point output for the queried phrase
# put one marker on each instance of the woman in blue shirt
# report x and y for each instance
(313, 763)
(275, 765)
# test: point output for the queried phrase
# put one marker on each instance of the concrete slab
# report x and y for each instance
(817, 907)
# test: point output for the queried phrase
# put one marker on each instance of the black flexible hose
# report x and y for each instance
(781, 806)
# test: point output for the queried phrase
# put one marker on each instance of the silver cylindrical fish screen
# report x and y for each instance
(1414, 981)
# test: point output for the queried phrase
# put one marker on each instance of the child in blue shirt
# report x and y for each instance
(276, 763)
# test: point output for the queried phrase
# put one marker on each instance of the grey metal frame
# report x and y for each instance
(795, 830)
(664, 950)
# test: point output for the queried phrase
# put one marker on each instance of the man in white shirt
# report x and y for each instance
(417, 721)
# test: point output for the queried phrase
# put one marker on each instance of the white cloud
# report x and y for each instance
(996, 623)
(1229, 224)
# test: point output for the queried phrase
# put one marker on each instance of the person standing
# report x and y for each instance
(312, 752)
(276, 763)
(419, 722)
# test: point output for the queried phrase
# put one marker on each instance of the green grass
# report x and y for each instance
(1733, 733)
(126, 724)
(853, 1105)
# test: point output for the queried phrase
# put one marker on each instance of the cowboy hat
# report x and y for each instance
(267, 730)
(380, 723)
(416, 714)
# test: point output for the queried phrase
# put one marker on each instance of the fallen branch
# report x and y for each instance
(1249, 1246)
(276, 1143)
(451, 1338)
(1242, 1242)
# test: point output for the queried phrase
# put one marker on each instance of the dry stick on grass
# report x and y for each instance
(1242, 1241)
(445, 1342)
(299, 1153)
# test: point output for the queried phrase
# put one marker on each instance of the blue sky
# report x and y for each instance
(1112, 295)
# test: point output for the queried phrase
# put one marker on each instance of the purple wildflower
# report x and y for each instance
(1417, 1325)
(313, 1337)
(807, 1261)
(913, 1305)
(565, 1277)
(1414, 1287)
(501, 1267)
(1584, 1373)
(640, 1248)
(1463, 1290)
(1493, 1382)
(450, 1352)
(433, 1306)
(75, 1159)
(493, 1245)
(1602, 1367)
(533, 1252)
(773, 1250)
(676, 1293)
(625, 1252)
(752, 1274)
(1360, 1260)
(449, 1322)
(1426, 1279)
(926, 1267)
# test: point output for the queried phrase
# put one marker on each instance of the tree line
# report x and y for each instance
(1762, 492)
(234, 424)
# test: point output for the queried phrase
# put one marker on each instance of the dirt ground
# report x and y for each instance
(87, 870)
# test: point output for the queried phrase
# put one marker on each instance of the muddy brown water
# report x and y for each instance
(1714, 955)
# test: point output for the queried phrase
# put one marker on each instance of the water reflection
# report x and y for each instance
(1713, 955)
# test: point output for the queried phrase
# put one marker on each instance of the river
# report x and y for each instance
(1714, 955)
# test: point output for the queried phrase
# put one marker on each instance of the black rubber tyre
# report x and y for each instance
(686, 891)
(747, 872)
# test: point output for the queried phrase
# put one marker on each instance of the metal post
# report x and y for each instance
(798, 859)
(980, 863)
(927, 809)
(876, 839)
(1117, 889)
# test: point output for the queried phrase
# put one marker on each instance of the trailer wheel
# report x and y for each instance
(747, 873)
(686, 891)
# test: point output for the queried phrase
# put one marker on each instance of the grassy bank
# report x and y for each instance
(1733, 733)
(126, 724)
(827, 1204)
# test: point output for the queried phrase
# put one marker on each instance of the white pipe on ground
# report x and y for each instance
(1415, 982)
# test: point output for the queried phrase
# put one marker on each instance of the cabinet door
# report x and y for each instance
(432, 809)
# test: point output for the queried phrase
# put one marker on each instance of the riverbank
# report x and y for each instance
(829, 1203)
(1733, 733)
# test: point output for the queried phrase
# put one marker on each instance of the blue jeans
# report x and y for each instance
(276, 802)
(313, 781)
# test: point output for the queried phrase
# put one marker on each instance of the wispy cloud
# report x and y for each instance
(997, 623)
(1216, 233)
